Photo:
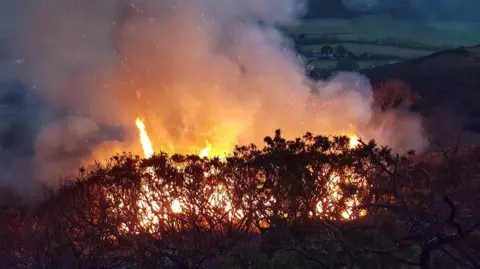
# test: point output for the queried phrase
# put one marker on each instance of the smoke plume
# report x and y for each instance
(195, 70)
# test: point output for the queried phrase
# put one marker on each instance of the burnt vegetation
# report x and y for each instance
(421, 212)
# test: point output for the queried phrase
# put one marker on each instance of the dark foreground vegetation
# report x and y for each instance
(422, 212)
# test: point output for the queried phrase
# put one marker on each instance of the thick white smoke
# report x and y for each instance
(195, 69)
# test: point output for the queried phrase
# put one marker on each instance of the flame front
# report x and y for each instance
(151, 213)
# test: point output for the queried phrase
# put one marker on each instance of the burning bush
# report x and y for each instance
(325, 202)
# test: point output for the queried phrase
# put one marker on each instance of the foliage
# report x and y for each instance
(421, 211)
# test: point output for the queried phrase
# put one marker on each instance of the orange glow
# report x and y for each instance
(206, 151)
(176, 206)
(219, 197)
(354, 141)
(328, 205)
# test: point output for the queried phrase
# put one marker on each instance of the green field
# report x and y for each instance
(372, 49)
(375, 27)
(331, 64)
(368, 30)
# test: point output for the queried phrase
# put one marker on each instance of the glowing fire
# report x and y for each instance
(144, 139)
(176, 206)
(328, 205)
(206, 151)
(219, 195)
(148, 204)
(354, 141)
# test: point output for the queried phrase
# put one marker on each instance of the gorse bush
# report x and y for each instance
(312, 202)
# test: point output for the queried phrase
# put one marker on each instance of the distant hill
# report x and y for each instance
(327, 9)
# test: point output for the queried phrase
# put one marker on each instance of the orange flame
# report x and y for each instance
(220, 197)
(205, 152)
(144, 139)
(354, 141)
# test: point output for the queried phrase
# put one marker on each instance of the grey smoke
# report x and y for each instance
(195, 69)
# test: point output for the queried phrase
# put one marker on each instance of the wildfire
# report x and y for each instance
(147, 202)
(219, 195)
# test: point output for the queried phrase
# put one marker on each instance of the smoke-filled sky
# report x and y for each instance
(196, 70)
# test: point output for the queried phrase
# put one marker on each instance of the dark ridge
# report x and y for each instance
(447, 79)
(447, 53)
(327, 9)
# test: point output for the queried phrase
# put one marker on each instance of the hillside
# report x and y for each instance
(448, 83)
